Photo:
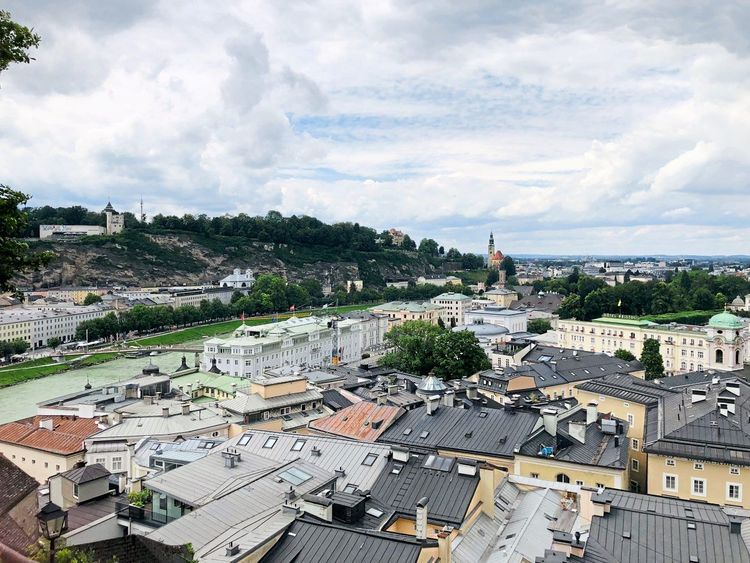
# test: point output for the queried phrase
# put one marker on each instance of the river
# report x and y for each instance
(19, 401)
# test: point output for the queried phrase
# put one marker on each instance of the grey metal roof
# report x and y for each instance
(448, 492)
(149, 447)
(694, 378)
(255, 403)
(334, 453)
(309, 542)
(86, 473)
(493, 432)
(598, 449)
(658, 528)
(628, 388)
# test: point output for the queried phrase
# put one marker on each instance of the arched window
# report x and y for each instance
(562, 478)
(719, 356)
(683, 365)
(737, 357)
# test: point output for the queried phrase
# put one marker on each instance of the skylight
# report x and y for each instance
(424, 434)
(244, 440)
(295, 476)
(297, 446)
(370, 459)
(350, 488)
(438, 463)
(407, 431)
(271, 442)
(397, 467)
(374, 512)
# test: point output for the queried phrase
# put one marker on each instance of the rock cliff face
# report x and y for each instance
(141, 259)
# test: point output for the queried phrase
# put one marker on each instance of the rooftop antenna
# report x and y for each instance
(143, 215)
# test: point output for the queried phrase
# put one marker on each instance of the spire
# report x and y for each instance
(492, 238)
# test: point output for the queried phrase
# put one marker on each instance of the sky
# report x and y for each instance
(610, 127)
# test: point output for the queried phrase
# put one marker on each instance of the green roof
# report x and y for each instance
(624, 321)
(220, 382)
(725, 320)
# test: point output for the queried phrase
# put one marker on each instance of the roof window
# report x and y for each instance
(271, 442)
(438, 463)
(369, 460)
(295, 476)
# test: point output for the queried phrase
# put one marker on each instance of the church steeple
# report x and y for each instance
(491, 246)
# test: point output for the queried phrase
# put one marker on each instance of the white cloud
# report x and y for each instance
(563, 126)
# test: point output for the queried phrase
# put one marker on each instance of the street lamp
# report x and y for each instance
(53, 521)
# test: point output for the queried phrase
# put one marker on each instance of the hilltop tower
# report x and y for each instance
(115, 220)
(494, 257)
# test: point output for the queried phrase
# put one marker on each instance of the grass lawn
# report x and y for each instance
(197, 332)
(471, 276)
(42, 367)
(687, 317)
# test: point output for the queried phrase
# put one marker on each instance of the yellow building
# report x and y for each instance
(399, 312)
(722, 344)
(703, 447)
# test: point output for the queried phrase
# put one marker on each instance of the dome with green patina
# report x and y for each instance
(725, 320)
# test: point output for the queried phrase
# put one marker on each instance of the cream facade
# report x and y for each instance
(40, 464)
(399, 312)
(454, 306)
(37, 325)
(722, 344)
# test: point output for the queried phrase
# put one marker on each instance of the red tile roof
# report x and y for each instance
(66, 437)
(356, 421)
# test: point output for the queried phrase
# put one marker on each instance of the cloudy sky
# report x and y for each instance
(565, 127)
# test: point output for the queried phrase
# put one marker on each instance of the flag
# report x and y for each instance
(291, 308)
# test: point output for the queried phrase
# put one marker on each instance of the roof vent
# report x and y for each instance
(626, 534)
(232, 549)
(315, 451)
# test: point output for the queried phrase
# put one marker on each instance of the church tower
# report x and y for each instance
(491, 248)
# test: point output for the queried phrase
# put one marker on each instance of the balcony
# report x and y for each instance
(144, 515)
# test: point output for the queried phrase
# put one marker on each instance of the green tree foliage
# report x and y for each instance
(651, 359)
(421, 348)
(471, 261)
(16, 257)
(9, 348)
(624, 354)
(441, 322)
(15, 41)
(429, 247)
(453, 255)
(408, 243)
(91, 298)
(703, 299)
(54, 342)
(570, 307)
(492, 278)
(539, 326)
(458, 355)
(509, 266)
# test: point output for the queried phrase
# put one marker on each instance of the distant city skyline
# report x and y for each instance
(564, 127)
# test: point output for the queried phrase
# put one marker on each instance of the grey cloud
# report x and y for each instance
(247, 81)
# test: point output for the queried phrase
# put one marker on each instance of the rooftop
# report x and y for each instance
(80, 475)
(363, 421)
(65, 436)
(15, 484)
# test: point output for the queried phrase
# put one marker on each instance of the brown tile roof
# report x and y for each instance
(66, 437)
(15, 484)
(356, 421)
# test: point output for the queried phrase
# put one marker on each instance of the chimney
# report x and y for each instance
(318, 506)
(148, 399)
(190, 389)
(122, 481)
(448, 398)
(549, 416)
(735, 524)
(432, 403)
(487, 489)
(165, 412)
(444, 544)
(232, 549)
(185, 409)
(340, 472)
(420, 525)
(47, 424)
(471, 392)
(698, 395)
(392, 389)
(400, 454)
(381, 399)
(592, 412)
(290, 495)
(617, 441)
(577, 430)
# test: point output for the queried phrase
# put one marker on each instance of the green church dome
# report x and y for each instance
(725, 320)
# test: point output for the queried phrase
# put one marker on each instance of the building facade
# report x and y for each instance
(722, 344)
(399, 312)
(514, 321)
(37, 325)
(454, 306)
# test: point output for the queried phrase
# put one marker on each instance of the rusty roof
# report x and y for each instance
(66, 436)
(362, 421)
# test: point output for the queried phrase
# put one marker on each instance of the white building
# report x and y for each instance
(454, 306)
(37, 325)
(69, 231)
(514, 321)
(359, 331)
(238, 280)
(115, 220)
(253, 349)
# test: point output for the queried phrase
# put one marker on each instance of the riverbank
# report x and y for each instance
(44, 367)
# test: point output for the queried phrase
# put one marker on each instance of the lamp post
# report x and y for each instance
(53, 521)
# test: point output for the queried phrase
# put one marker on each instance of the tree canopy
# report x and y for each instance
(651, 359)
(15, 41)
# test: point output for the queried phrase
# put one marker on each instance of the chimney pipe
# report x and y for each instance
(381, 399)
(432, 404)
(165, 412)
(549, 417)
(471, 392)
(591, 412)
(448, 398)
(617, 441)
(444, 545)
(185, 409)
(577, 430)
(421, 522)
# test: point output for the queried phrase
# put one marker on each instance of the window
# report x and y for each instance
(350, 488)
(670, 482)
(162, 502)
(579, 483)
(369, 460)
(734, 491)
(439, 463)
(100, 461)
(635, 465)
(535, 475)
(699, 487)
(297, 446)
(75, 490)
(670, 462)
(396, 469)
(374, 512)
(631, 419)
(698, 466)
(295, 476)
(116, 464)
(562, 478)
(734, 470)
(271, 442)
(407, 431)
(635, 444)
(424, 434)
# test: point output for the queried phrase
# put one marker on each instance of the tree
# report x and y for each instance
(91, 298)
(428, 247)
(721, 300)
(16, 257)
(408, 243)
(509, 266)
(651, 359)
(703, 299)
(492, 278)
(570, 307)
(624, 354)
(15, 41)
(54, 342)
(453, 255)
(458, 355)
(539, 326)
(441, 322)
(413, 347)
